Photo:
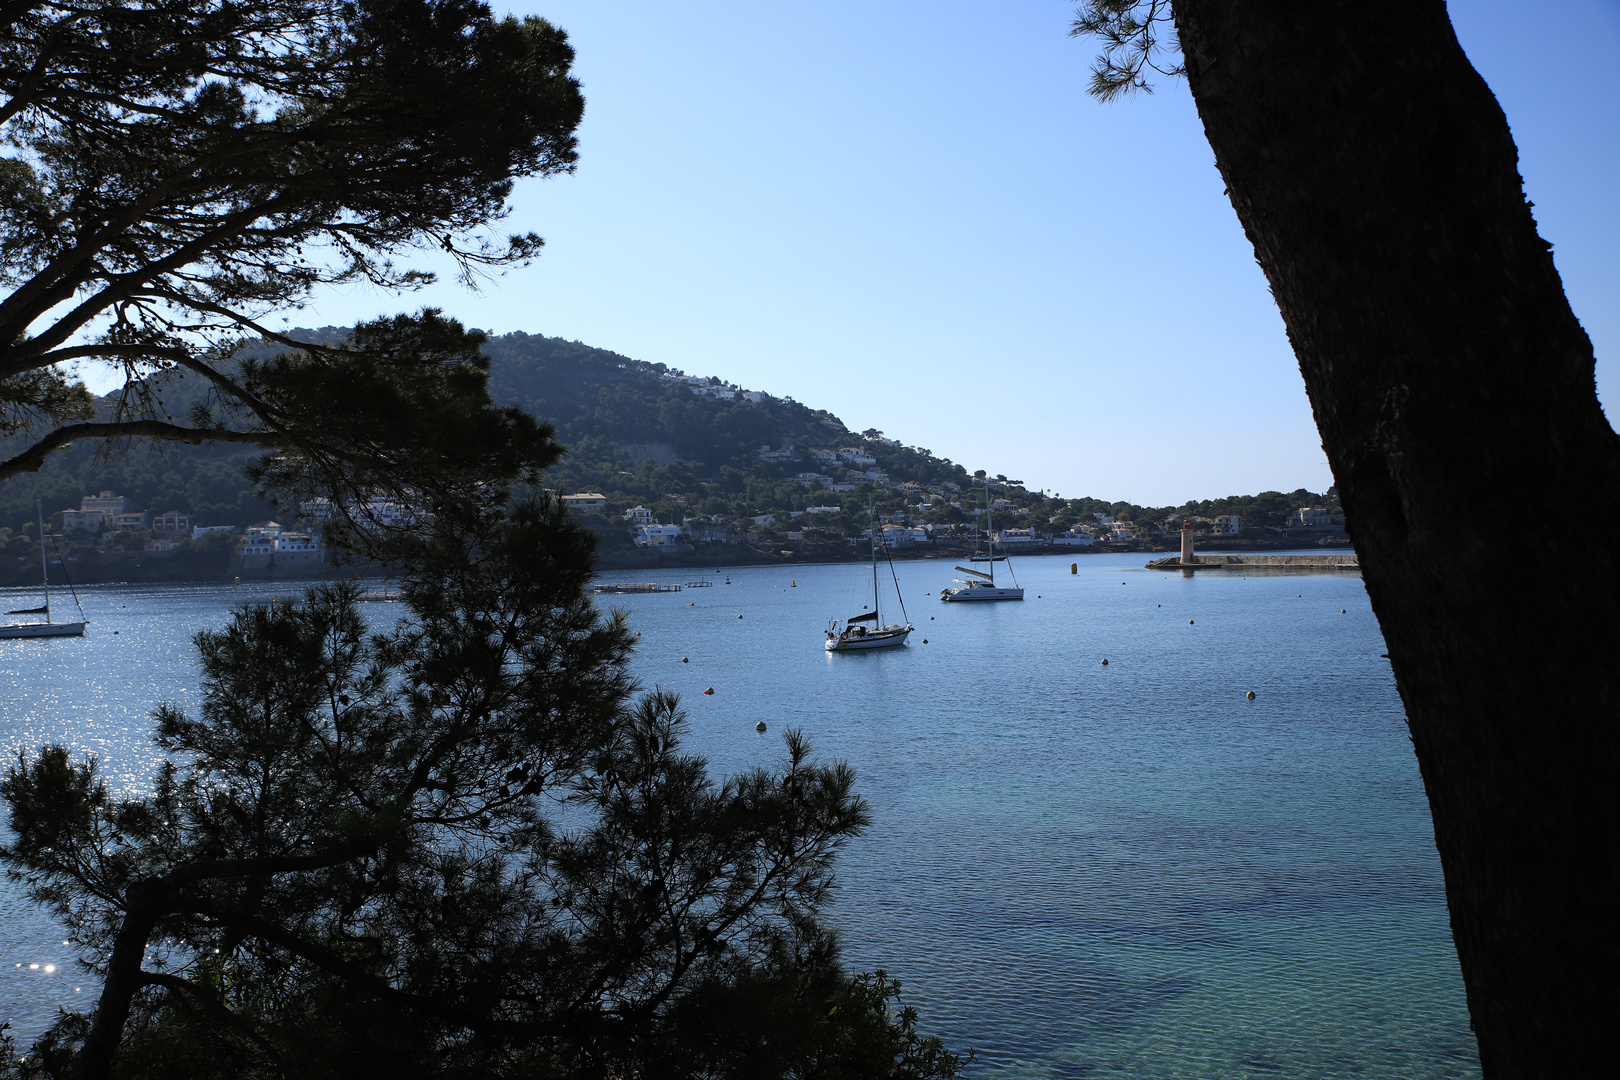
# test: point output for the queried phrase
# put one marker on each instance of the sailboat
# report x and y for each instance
(856, 632)
(980, 584)
(46, 628)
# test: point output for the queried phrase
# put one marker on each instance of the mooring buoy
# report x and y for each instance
(1250, 695)
(1105, 661)
(684, 660)
(760, 727)
(1074, 568)
(709, 691)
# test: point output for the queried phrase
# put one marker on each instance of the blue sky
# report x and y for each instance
(911, 214)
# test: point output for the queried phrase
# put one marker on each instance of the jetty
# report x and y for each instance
(1189, 562)
(1344, 561)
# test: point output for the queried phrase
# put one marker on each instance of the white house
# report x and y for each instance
(1018, 537)
(856, 456)
(588, 502)
(657, 535)
(1074, 538)
(822, 509)
(639, 515)
(83, 521)
(1226, 525)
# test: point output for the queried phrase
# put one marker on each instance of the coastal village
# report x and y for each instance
(841, 486)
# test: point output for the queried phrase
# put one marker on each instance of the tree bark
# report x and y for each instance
(1375, 175)
(144, 907)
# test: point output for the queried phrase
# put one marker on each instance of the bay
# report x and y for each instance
(1079, 869)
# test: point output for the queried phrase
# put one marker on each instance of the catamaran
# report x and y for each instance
(46, 628)
(981, 585)
(856, 634)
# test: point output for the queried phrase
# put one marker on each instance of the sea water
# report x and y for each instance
(1079, 869)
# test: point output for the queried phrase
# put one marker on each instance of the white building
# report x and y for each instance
(105, 503)
(1074, 538)
(856, 456)
(657, 535)
(1018, 537)
(587, 502)
(1226, 525)
(822, 509)
(639, 515)
(83, 521)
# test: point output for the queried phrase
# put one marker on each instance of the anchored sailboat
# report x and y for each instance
(867, 631)
(46, 628)
(981, 585)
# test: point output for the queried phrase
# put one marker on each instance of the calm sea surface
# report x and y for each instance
(1125, 871)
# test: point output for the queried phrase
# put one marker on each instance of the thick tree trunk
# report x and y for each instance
(1374, 173)
(124, 980)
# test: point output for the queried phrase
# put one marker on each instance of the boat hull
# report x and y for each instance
(43, 629)
(879, 639)
(980, 592)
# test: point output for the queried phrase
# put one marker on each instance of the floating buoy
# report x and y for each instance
(691, 605)
(1074, 568)
(239, 581)
(709, 691)
(115, 631)
(1158, 605)
(1037, 596)
(793, 584)
(1105, 661)
(930, 618)
(739, 616)
(925, 641)
(1189, 622)
(1250, 695)
(760, 727)
(1342, 611)
(684, 660)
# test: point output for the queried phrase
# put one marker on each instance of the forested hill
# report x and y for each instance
(638, 432)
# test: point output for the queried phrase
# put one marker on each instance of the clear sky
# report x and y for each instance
(911, 214)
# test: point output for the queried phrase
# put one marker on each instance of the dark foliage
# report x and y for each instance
(174, 170)
(462, 846)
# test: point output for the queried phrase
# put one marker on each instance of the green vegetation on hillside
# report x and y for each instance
(637, 433)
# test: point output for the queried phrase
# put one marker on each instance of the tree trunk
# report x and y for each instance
(1374, 173)
(124, 979)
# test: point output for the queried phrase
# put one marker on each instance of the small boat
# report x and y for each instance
(979, 585)
(46, 628)
(867, 631)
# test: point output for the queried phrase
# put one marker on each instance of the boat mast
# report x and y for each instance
(44, 567)
(989, 534)
(877, 623)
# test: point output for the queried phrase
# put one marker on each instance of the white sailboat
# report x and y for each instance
(979, 584)
(856, 633)
(46, 628)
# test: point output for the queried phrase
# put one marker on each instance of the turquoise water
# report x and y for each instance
(1081, 870)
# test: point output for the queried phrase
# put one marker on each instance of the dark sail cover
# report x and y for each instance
(46, 610)
(868, 617)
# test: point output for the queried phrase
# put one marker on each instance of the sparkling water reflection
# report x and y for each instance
(1082, 870)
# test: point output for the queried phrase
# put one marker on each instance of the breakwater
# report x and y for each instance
(1332, 562)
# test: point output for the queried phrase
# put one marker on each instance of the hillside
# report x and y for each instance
(736, 467)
